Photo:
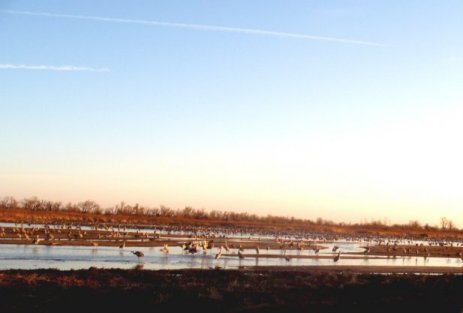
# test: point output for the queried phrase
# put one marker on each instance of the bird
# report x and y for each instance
(335, 248)
(336, 258)
(367, 250)
(37, 240)
(257, 250)
(240, 254)
(219, 254)
(139, 254)
(165, 249)
(122, 246)
(287, 258)
(316, 250)
(192, 249)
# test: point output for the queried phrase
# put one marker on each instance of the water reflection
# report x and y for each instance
(80, 257)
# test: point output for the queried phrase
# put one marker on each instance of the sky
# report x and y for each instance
(346, 110)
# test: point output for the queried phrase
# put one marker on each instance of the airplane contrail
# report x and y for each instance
(56, 68)
(249, 31)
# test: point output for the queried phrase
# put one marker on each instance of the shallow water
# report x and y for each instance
(80, 257)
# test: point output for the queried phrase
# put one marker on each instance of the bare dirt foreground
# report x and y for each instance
(320, 289)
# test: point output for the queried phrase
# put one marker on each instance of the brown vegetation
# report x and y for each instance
(33, 210)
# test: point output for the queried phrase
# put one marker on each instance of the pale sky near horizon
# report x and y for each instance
(345, 110)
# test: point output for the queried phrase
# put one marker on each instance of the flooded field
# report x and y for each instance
(83, 257)
(119, 268)
(68, 246)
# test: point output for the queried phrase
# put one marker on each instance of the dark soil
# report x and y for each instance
(268, 290)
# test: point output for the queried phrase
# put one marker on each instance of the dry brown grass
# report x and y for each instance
(36, 211)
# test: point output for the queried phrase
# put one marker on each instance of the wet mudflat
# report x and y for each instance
(66, 247)
(312, 289)
(45, 268)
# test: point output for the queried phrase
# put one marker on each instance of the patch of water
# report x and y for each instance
(80, 257)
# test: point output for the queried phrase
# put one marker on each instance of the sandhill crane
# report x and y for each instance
(192, 248)
(367, 250)
(122, 246)
(336, 258)
(37, 240)
(219, 254)
(335, 248)
(316, 250)
(139, 254)
(287, 258)
(240, 254)
(165, 249)
(257, 250)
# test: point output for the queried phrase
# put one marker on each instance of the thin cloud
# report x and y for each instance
(248, 31)
(55, 68)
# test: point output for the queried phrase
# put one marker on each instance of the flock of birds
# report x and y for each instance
(194, 247)
(124, 235)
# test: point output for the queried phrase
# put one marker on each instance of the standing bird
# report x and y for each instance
(192, 248)
(226, 247)
(139, 254)
(219, 254)
(37, 240)
(122, 246)
(336, 258)
(165, 249)
(257, 250)
(240, 254)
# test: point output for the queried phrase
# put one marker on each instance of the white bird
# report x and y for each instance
(226, 247)
(219, 254)
(165, 249)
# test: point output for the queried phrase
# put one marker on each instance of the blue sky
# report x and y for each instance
(236, 120)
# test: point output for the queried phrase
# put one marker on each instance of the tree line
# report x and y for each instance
(91, 207)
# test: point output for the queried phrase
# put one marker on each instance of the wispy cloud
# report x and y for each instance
(62, 68)
(248, 31)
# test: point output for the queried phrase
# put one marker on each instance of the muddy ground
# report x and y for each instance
(248, 290)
